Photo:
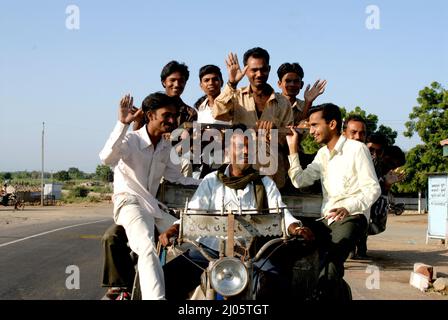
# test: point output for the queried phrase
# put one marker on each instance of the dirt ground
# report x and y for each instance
(393, 253)
(37, 214)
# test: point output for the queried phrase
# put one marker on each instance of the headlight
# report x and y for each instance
(228, 276)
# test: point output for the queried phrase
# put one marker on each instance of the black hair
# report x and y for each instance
(157, 100)
(208, 69)
(354, 117)
(395, 153)
(377, 138)
(290, 67)
(174, 66)
(330, 112)
(256, 53)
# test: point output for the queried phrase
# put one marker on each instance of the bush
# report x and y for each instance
(79, 192)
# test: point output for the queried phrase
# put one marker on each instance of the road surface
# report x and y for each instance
(39, 244)
(39, 249)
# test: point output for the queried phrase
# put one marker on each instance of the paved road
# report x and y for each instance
(37, 245)
(34, 256)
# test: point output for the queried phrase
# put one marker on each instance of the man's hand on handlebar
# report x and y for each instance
(166, 237)
(300, 231)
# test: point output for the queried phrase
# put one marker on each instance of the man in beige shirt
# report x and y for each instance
(290, 81)
(257, 105)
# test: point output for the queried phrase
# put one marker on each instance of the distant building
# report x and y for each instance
(53, 189)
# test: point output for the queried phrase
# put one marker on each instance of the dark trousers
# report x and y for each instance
(361, 246)
(335, 243)
(344, 235)
(118, 266)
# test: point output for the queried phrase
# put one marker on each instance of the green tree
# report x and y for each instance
(390, 134)
(75, 173)
(7, 175)
(430, 121)
(104, 173)
(62, 175)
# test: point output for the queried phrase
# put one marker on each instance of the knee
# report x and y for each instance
(114, 236)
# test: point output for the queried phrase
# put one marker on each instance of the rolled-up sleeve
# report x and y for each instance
(225, 103)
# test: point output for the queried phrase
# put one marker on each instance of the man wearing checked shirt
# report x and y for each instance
(349, 187)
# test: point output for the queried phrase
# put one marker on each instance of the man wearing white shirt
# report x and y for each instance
(349, 185)
(231, 186)
(210, 81)
(140, 159)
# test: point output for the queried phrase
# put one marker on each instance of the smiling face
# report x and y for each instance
(174, 84)
(356, 130)
(162, 120)
(291, 84)
(257, 72)
(320, 129)
(211, 84)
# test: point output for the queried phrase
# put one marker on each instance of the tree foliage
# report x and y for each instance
(62, 175)
(430, 121)
(104, 173)
(75, 173)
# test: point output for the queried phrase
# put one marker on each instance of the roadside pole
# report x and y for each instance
(42, 174)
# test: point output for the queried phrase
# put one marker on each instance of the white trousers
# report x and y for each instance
(139, 227)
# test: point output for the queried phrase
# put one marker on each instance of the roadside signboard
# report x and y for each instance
(437, 207)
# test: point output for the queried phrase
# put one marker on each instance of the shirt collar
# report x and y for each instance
(203, 105)
(248, 90)
(339, 145)
(145, 141)
(297, 105)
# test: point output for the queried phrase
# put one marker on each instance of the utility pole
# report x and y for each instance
(42, 174)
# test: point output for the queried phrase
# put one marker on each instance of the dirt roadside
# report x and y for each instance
(393, 253)
(37, 214)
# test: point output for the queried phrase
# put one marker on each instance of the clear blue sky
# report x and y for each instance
(73, 79)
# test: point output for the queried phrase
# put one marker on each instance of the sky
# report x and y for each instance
(71, 76)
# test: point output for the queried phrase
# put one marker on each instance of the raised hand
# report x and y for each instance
(311, 93)
(234, 69)
(392, 177)
(127, 111)
(139, 119)
(293, 141)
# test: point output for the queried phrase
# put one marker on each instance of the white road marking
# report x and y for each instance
(51, 231)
